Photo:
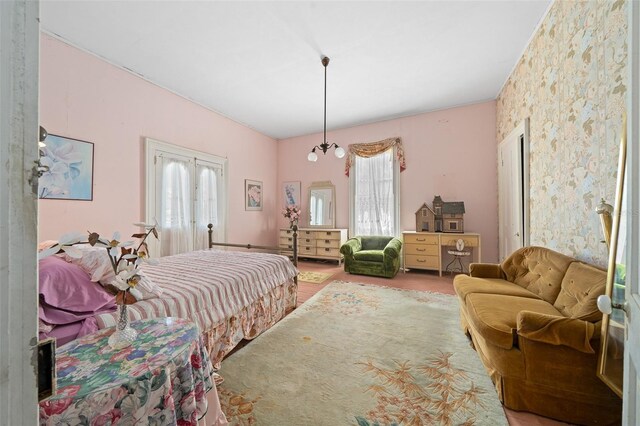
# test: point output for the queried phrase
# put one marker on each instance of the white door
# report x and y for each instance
(19, 44)
(513, 190)
(631, 384)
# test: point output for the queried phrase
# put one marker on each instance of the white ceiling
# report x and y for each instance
(259, 62)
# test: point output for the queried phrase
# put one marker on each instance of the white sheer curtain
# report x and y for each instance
(176, 233)
(207, 204)
(374, 198)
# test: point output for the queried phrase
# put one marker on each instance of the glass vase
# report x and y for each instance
(292, 223)
(124, 335)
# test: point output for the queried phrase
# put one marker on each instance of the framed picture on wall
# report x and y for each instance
(291, 193)
(252, 195)
(69, 174)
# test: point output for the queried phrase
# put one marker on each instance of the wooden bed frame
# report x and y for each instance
(251, 246)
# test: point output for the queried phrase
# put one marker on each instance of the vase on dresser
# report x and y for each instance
(123, 335)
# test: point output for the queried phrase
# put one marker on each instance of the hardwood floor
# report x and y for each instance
(414, 280)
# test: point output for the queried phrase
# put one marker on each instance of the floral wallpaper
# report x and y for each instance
(571, 82)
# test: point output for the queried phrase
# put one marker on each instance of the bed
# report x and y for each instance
(230, 295)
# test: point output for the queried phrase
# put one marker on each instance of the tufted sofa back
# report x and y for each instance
(579, 291)
(537, 269)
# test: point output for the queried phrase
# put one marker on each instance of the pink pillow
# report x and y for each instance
(67, 287)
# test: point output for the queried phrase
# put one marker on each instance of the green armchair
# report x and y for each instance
(372, 255)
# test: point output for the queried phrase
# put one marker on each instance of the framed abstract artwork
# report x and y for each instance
(69, 169)
(291, 193)
(252, 195)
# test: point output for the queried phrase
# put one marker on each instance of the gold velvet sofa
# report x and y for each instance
(534, 323)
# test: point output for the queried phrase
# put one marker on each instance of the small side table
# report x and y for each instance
(162, 378)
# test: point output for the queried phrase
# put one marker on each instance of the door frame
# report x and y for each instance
(521, 131)
(631, 379)
(19, 135)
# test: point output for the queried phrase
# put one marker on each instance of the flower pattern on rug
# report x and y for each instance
(348, 302)
(432, 393)
(436, 299)
(236, 407)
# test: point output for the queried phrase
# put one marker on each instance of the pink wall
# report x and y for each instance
(86, 98)
(451, 153)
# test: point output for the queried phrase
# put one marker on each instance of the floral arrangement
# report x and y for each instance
(125, 257)
(292, 213)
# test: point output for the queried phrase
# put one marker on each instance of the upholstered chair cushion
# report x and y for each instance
(495, 316)
(579, 292)
(537, 269)
(369, 255)
(465, 285)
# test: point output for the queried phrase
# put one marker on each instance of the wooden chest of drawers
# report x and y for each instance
(314, 243)
(423, 250)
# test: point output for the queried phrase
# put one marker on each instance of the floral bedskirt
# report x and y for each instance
(251, 322)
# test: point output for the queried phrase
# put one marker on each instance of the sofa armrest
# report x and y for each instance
(486, 270)
(392, 249)
(556, 330)
(352, 246)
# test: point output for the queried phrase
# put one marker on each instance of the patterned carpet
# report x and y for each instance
(357, 354)
(313, 277)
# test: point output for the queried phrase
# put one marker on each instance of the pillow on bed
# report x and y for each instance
(67, 287)
(96, 263)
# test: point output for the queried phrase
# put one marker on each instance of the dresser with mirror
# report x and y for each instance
(320, 239)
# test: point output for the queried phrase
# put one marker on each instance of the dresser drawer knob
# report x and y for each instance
(327, 249)
(419, 249)
(421, 260)
(421, 239)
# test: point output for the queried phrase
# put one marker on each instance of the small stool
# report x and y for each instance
(457, 257)
(458, 254)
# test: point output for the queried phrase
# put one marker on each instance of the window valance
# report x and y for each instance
(374, 148)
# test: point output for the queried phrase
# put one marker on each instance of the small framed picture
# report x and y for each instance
(252, 195)
(291, 193)
(69, 174)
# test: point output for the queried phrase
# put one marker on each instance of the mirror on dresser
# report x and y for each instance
(322, 205)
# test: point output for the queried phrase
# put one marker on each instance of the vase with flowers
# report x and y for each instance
(125, 258)
(293, 214)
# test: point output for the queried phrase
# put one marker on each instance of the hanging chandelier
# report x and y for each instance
(325, 146)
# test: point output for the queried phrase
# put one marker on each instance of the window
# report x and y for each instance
(374, 195)
(186, 191)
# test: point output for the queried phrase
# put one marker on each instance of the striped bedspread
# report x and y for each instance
(208, 286)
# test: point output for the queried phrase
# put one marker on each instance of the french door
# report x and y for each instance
(186, 191)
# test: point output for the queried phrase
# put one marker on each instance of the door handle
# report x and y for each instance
(517, 234)
(606, 306)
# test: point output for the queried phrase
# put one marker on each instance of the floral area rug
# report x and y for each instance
(313, 277)
(365, 355)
